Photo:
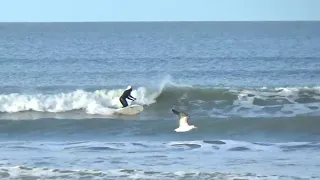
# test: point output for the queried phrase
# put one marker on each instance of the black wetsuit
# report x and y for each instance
(126, 95)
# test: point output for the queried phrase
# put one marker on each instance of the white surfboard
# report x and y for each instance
(130, 110)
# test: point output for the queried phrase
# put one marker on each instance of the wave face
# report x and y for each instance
(301, 129)
(99, 101)
(216, 111)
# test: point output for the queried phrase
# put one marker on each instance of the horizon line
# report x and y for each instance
(159, 21)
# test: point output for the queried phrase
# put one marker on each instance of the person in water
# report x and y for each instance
(126, 95)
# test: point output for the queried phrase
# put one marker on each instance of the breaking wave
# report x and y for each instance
(213, 101)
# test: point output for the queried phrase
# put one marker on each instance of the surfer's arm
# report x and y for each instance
(131, 98)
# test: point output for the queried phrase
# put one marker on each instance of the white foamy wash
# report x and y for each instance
(97, 102)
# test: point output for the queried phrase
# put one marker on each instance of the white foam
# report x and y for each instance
(244, 106)
(97, 102)
(21, 172)
(186, 162)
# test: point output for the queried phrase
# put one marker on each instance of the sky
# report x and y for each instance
(158, 10)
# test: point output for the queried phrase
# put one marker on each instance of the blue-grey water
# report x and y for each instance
(251, 88)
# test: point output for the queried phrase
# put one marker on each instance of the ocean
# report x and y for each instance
(251, 88)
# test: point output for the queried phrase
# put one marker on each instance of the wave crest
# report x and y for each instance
(102, 101)
(215, 102)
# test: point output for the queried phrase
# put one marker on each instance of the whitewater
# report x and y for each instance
(215, 101)
(252, 89)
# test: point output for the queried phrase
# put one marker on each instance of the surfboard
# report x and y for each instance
(130, 110)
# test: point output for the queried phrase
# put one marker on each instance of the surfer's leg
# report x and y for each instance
(123, 102)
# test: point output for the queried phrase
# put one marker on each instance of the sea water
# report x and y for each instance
(251, 88)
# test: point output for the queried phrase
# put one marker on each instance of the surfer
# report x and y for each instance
(126, 95)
